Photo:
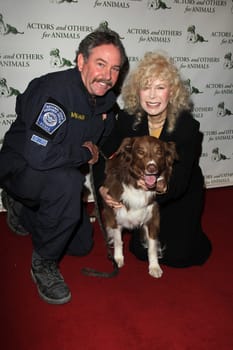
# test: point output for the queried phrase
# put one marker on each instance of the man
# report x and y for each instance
(61, 118)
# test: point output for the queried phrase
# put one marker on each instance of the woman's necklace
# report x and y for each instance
(156, 124)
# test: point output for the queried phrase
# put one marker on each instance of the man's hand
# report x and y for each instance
(94, 151)
(108, 199)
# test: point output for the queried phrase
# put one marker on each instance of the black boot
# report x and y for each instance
(50, 283)
(13, 209)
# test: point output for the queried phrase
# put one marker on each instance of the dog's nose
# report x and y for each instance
(151, 168)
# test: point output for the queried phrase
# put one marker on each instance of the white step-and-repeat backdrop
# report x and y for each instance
(42, 36)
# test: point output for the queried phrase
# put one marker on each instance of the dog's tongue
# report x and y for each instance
(150, 180)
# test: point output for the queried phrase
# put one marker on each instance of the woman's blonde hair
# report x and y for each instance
(155, 65)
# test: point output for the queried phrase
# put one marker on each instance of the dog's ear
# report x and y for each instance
(122, 156)
(126, 144)
(125, 148)
(171, 154)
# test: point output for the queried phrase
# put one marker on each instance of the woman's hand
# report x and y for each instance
(161, 186)
(108, 199)
(141, 183)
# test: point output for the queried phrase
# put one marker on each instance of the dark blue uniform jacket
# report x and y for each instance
(55, 116)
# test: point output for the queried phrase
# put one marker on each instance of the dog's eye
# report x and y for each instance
(140, 152)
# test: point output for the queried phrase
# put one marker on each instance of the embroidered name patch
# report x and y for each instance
(76, 115)
(39, 140)
(50, 118)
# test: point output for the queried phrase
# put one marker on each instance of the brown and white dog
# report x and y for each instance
(138, 158)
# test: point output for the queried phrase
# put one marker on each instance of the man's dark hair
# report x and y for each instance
(101, 36)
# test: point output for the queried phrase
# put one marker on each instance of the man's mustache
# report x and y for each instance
(107, 82)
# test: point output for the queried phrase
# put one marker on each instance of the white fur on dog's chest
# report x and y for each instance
(139, 211)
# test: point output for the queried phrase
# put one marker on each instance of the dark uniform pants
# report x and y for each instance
(53, 211)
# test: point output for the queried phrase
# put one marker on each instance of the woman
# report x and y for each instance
(156, 103)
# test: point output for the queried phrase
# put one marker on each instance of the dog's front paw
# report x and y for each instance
(119, 260)
(155, 271)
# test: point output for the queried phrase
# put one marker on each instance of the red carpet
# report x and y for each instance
(187, 309)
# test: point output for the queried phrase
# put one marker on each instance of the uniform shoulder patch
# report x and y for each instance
(51, 117)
